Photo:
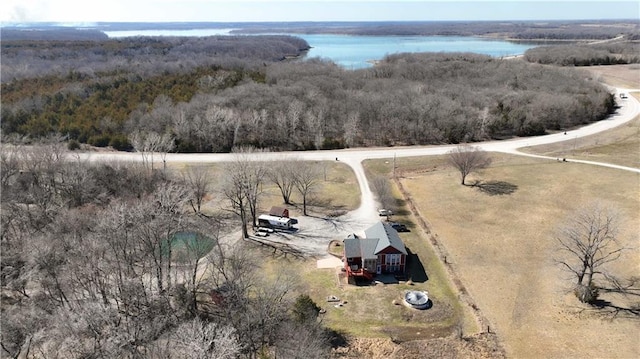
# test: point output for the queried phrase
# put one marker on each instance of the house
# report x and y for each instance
(279, 212)
(381, 251)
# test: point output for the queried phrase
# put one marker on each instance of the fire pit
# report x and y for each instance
(416, 299)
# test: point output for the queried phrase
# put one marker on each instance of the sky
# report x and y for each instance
(87, 11)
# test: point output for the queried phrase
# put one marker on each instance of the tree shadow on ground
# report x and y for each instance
(415, 269)
(494, 188)
(337, 338)
(606, 307)
(401, 207)
(626, 287)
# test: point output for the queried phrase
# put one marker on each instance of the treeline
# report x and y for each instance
(586, 55)
(50, 33)
(107, 260)
(142, 56)
(518, 30)
(404, 100)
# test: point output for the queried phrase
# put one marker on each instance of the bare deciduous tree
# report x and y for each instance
(467, 159)
(243, 186)
(281, 173)
(199, 339)
(198, 181)
(306, 179)
(149, 143)
(586, 242)
(308, 340)
(381, 187)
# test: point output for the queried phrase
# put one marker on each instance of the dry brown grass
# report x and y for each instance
(336, 193)
(618, 75)
(502, 248)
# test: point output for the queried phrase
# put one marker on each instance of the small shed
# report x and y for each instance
(279, 212)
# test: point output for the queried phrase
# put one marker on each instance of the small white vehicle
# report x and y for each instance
(265, 230)
(385, 212)
(623, 95)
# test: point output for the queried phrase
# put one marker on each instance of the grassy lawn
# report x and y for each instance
(369, 311)
(502, 245)
(337, 191)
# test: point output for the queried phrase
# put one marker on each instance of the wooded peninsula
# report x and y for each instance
(213, 94)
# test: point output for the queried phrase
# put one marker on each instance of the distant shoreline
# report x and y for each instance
(555, 31)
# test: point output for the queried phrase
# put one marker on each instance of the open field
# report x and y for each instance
(502, 248)
(617, 75)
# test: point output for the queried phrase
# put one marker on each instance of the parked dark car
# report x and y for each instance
(399, 227)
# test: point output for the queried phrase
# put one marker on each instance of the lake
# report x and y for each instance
(355, 52)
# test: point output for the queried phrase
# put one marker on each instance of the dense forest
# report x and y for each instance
(51, 33)
(217, 93)
(107, 260)
(140, 56)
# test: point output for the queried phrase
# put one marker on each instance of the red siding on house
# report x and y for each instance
(389, 250)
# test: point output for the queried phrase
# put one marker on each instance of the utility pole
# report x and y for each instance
(394, 165)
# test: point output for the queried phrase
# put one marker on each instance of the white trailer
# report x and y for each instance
(266, 220)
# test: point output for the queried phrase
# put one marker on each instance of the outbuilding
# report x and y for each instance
(279, 212)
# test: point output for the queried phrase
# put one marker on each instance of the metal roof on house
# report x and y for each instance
(378, 237)
(352, 246)
(368, 247)
(387, 237)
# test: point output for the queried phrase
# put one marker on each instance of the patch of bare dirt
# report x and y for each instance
(477, 346)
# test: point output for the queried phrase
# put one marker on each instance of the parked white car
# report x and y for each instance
(385, 212)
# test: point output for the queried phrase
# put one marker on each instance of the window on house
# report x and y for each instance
(393, 262)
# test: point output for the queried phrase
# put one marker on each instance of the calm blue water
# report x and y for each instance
(355, 52)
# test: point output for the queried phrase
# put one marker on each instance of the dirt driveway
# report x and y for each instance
(313, 233)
